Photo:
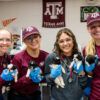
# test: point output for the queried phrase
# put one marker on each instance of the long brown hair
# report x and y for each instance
(69, 33)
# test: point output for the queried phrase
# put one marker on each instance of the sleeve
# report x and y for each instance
(48, 61)
(22, 81)
(2, 82)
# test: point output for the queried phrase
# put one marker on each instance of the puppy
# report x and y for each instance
(13, 69)
(59, 80)
(90, 62)
(31, 66)
(79, 61)
(90, 59)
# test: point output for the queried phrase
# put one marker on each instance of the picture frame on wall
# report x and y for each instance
(86, 10)
(53, 13)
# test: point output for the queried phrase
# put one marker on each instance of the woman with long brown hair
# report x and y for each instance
(65, 48)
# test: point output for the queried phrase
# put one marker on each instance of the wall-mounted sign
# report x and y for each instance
(53, 13)
(86, 10)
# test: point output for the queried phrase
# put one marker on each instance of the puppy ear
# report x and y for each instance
(32, 64)
(10, 66)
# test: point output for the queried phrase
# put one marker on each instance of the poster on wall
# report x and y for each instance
(53, 13)
(86, 10)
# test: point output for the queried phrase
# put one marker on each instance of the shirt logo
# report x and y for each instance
(29, 29)
(41, 64)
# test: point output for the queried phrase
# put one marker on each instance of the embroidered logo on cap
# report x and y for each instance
(94, 15)
(29, 29)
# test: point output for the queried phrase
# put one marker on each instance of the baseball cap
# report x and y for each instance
(29, 31)
(94, 17)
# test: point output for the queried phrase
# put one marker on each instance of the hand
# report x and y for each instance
(14, 72)
(55, 72)
(78, 67)
(7, 75)
(89, 68)
(87, 91)
(35, 75)
(90, 62)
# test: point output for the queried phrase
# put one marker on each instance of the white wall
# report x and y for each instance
(29, 12)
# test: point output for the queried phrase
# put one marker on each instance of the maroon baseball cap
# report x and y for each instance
(29, 31)
(94, 17)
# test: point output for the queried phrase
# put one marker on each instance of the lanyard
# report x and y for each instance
(69, 67)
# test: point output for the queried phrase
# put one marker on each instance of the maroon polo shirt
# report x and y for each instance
(25, 85)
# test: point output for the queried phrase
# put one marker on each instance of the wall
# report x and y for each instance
(29, 12)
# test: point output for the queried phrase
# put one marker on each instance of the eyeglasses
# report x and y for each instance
(5, 40)
(31, 37)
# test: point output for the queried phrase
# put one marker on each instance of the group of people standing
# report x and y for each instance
(65, 65)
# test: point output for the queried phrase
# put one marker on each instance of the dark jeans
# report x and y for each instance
(46, 90)
(14, 96)
(1, 97)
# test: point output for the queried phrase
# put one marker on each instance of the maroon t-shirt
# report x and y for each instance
(3, 59)
(95, 85)
(25, 85)
(95, 93)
